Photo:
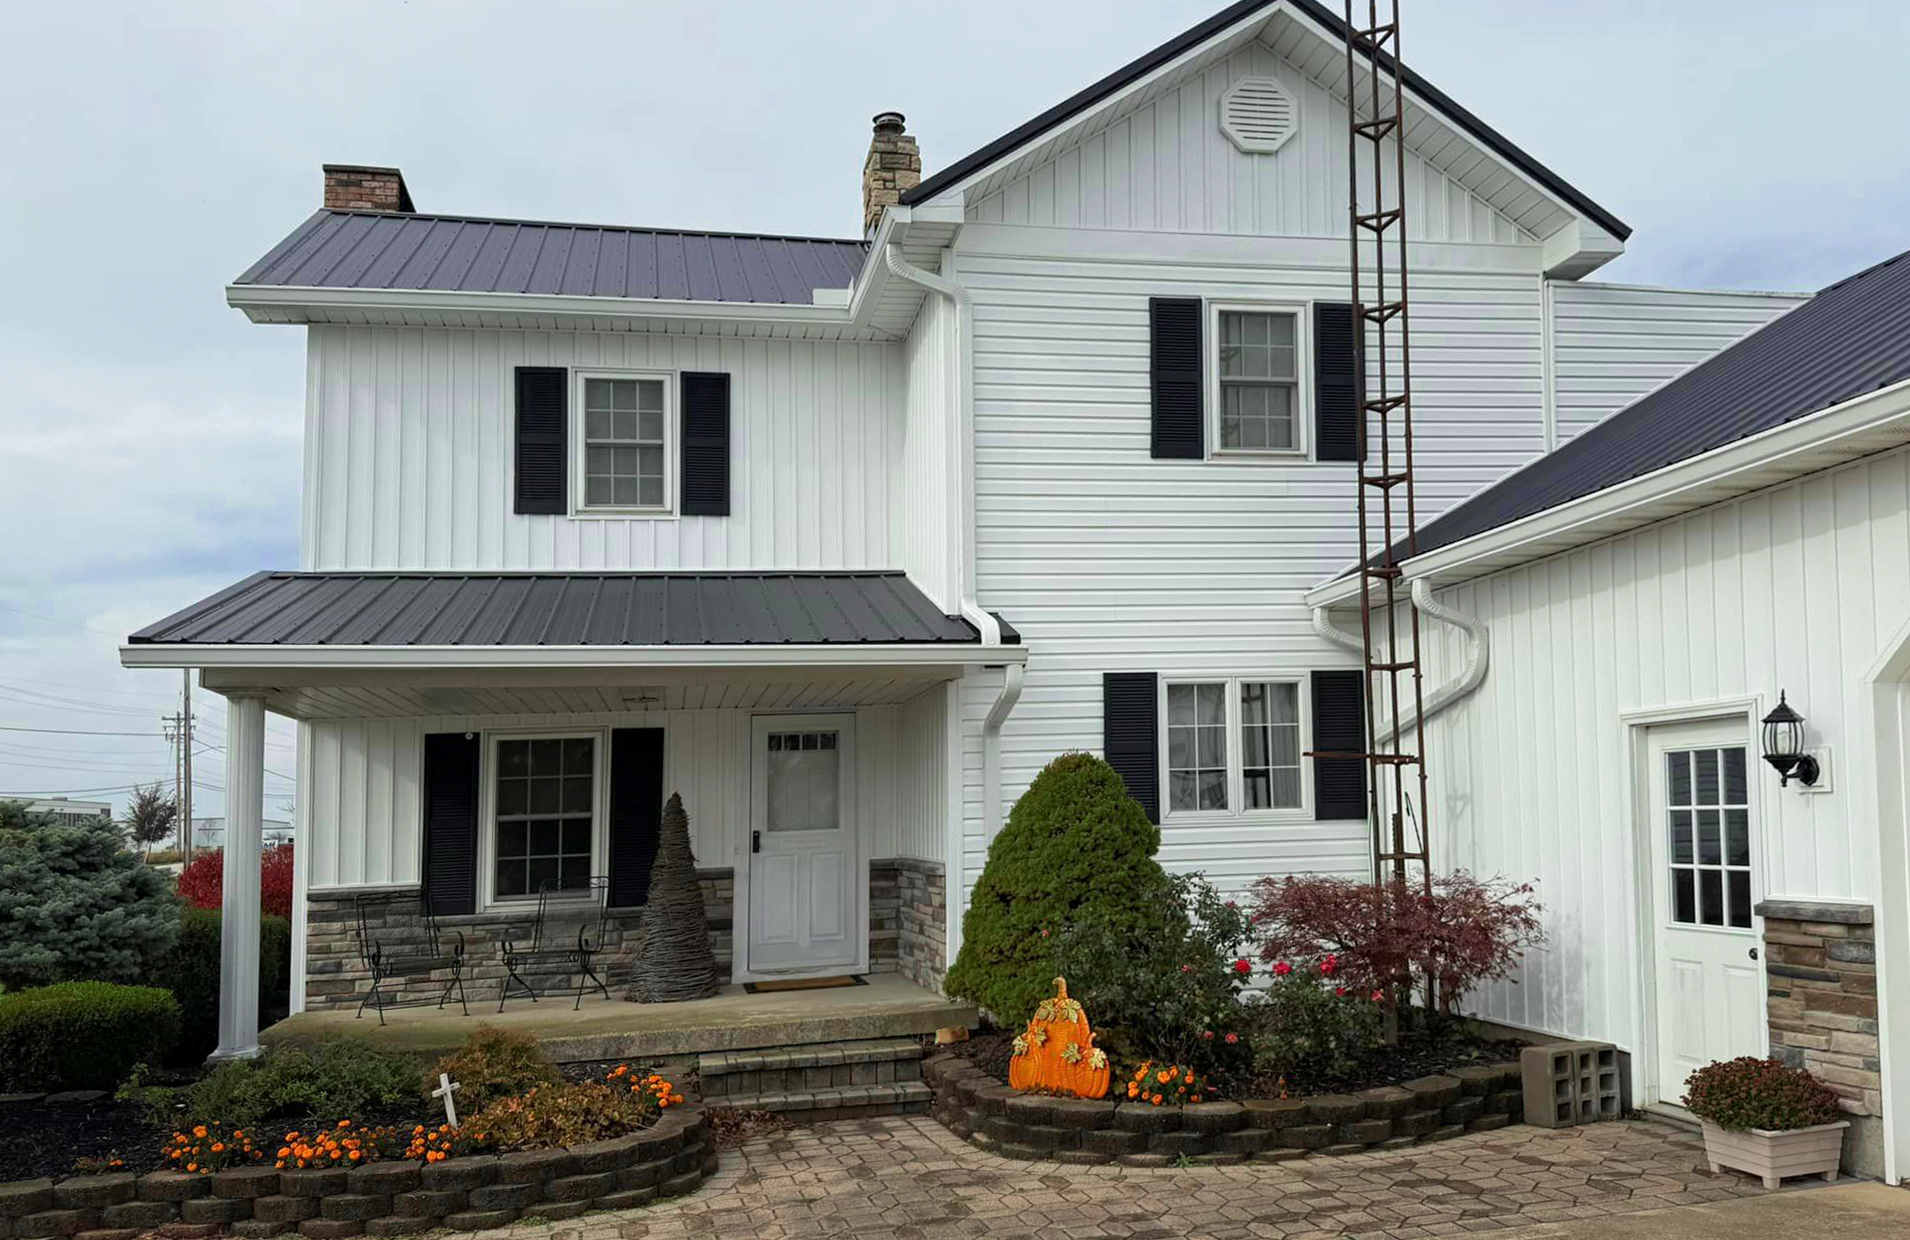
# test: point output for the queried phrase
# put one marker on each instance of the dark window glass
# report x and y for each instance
(1734, 783)
(1710, 852)
(1711, 897)
(1681, 836)
(1739, 882)
(1683, 901)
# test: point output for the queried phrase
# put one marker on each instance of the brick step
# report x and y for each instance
(847, 1102)
(805, 1069)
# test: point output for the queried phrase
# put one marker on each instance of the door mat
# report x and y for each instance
(801, 983)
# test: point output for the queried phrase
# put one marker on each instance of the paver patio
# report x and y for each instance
(910, 1179)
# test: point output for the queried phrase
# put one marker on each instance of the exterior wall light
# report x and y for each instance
(1784, 745)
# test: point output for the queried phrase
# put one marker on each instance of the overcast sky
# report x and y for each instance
(150, 152)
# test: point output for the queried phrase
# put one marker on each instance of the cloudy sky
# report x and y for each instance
(148, 153)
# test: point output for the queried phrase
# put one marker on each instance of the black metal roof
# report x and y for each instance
(1851, 338)
(1487, 136)
(564, 609)
(396, 250)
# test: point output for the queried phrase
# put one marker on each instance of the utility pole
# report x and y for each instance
(185, 750)
(170, 726)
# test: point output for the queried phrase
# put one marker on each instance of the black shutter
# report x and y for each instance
(543, 440)
(706, 445)
(636, 812)
(1336, 383)
(1130, 734)
(451, 822)
(1174, 373)
(1339, 726)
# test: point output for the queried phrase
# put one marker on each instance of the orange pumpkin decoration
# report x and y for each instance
(1057, 1054)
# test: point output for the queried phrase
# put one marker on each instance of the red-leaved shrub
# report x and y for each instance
(202, 883)
(1465, 932)
(1759, 1093)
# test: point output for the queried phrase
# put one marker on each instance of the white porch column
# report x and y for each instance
(239, 926)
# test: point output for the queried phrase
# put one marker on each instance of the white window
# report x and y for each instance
(1259, 379)
(1232, 746)
(545, 810)
(625, 443)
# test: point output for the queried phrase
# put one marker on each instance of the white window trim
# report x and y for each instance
(1236, 781)
(1302, 313)
(488, 900)
(665, 511)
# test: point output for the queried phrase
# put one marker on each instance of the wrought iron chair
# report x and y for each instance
(397, 952)
(540, 954)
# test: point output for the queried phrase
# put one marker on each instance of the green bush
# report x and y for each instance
(82, 1035)
(1168, 988)
(1306, 1016)
(191, 971)
(1759, 1093)
(340, 1079)
(1075, 845)
(77, 905)
(492, 1064)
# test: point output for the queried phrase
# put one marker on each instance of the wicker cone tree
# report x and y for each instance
(674, 961)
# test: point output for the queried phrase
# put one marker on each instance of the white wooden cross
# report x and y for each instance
(447, 1087)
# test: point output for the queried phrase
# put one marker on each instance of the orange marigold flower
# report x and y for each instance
(199, 1130)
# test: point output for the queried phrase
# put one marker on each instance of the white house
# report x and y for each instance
(845, 539)
(63, 809)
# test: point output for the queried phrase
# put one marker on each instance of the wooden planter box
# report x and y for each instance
(1774, 1155)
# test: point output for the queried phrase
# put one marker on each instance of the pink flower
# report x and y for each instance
(1379, 996)
(1282, 969)
(1232, 1038)
(1208, 1035)
(1243, 966)
(1187, 968)
(1044, 932)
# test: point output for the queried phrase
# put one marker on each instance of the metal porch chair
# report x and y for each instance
(395, 953)
(541, 955)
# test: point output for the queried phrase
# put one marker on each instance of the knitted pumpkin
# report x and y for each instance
(1057, 1054)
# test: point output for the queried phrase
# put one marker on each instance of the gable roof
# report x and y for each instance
(1192, 38)
(1851, 339)
(453, 253)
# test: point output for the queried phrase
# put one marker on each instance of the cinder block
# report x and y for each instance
(1569, 1083)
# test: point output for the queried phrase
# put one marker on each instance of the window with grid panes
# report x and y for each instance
(546, 814)
(626, 456)
(1708, 816)
(1259, 380)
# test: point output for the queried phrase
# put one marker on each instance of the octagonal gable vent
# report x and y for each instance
(1258, 115)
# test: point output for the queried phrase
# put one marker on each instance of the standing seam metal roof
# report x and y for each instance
(1850, 339)
(392, 250)
(564, 609)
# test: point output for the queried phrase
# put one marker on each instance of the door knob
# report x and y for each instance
(1754, 953)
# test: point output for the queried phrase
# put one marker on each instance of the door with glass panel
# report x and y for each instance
(1710, 983)
(805, 903)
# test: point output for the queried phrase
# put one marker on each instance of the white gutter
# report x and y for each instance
(1478, 653)
(963, 401)
(468, 658)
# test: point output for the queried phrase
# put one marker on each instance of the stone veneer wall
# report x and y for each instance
(1821, 974)
(1003, 1121)
(908, 927)
(336, 976)
(381, 1199)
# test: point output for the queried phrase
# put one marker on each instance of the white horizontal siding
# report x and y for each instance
(924, 504)
(1167, 167)
(1794, 588)
(409, 439)
(1613, 343)
(361, 785)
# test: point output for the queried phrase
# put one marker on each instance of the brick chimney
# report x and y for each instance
(358, 187)
(893, 165)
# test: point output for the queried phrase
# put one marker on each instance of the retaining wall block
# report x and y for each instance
(24, 1197)
(140, 1215)
(245, 1182)
(354, 1207)
(1213, 1117)
(1275, 1112)
(167, 1186)
(384, 1179)
(1336, 1109)
(279, 1208)
(90, 1192)
(1434, 1092)
(458, 1174)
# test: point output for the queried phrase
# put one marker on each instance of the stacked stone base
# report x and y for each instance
(993, 1117)
(382, 1199)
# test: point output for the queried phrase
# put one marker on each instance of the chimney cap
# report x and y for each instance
(889, 122)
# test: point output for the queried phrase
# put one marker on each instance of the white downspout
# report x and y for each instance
(1478, 652)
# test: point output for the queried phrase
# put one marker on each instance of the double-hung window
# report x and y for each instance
(1258, 373)
(625, 443)
(1232, 746)
(544, 791)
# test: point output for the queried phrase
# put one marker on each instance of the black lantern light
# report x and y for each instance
(1784, 745)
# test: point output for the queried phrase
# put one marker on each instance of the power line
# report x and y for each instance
(84, 628)
(70, 731)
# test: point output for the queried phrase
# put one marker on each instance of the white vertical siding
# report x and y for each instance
(1794, 588)
(919, 756)
(361, 788)
(924, 503)
(1167, 167)
(1613, 343)
(409, 438)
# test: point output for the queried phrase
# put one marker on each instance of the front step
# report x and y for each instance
(829, 1080)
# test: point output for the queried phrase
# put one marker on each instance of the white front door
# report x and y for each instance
(805, 906)
(1710, 983)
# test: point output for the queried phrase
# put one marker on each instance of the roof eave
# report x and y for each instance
(1863, 426)
(272, 303)
(925, 654)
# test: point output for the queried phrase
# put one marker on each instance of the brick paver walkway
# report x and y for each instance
(910, 1179)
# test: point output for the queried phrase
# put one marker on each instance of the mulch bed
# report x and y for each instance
(1416, 1055)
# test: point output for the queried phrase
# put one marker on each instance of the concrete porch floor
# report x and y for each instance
(889, 1006)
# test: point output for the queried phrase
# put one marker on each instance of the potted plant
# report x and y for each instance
(1766, 1118)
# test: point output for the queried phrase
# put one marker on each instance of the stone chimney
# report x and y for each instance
(893, 165)
(357, 187)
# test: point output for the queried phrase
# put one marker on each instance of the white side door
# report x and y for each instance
(1710, 982)
(805, 909)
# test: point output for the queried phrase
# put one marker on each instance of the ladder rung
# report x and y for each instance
(1406, 665)
(1378, 127)
(1380, 221)
(1393, 759)
(1384, 404)
(1382, 570)
(1380, 33)
(1383, 311)
(1418, 856)
(1386, 481)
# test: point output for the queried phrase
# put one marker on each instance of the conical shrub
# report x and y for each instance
(1074, 841)
(674, 961)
